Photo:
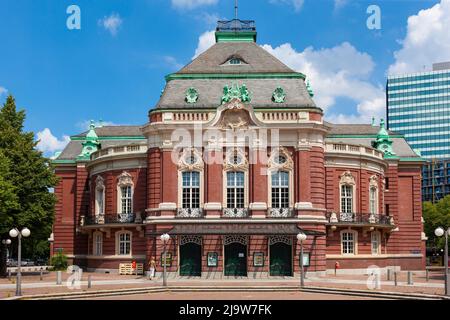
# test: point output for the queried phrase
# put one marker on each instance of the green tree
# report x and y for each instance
(436, 215)
(32, 176)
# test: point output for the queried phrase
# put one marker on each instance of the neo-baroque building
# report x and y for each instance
(234, 161)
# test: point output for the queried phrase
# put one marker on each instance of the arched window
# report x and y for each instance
(375, 238)
(99, 196)
(123, 243)
(191, 189)
(349, 241)
(190, 176)
(346, 198)
(97, 243)
(280, 182)
(235, 190)
(280, 189)
(373, 195)
(125, 193)
(347, 187)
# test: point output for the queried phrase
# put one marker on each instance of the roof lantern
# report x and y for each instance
(236, 30)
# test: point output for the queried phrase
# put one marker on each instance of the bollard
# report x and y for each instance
(89, 281)
(427, 275)
(40, 275)
(9, 274)
(377, 281)
(395, 278)
(58, 277)
(410, 278)
(389, 274)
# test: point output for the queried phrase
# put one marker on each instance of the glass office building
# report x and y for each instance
(418, 106)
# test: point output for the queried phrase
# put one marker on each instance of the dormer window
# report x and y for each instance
(235, 61)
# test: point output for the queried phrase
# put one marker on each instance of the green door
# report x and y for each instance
(236, 260)
(281, 259)
(191, 260)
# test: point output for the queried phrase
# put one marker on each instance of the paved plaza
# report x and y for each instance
(33, 285)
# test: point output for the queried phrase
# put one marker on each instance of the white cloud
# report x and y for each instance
(111, 23)
(339, 4)
(48, 143)
(172, 62)
(297, 4)
(206, 40)
(3, 91)
(338, 72)
(191, 4)
(427, 40)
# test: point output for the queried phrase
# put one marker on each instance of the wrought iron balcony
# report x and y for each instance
(235, 213)
(359, 218)
(190, 213)
(281, 213)
(118, 218)
(236, 25)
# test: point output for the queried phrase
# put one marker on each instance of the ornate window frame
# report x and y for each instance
(280, 238)
(191, 239)
(96, 249)
(99, 188)
(118, 234)
(378, 241)
(355, 242)
(185, 165)
(124, 180)
(347, 179)
(373, 185)
(274, 166)
(230, 166)
(235, 239)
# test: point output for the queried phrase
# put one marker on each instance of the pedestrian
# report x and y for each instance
(152, 267)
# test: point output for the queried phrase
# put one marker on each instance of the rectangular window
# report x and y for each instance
(126, 199)
(191, 189)
(346, 199)
(99, 207)
(375, 241)
(348, 243)
(124, 244)
(98, 244)
(280, 189)
(386, 183)
(235, 190)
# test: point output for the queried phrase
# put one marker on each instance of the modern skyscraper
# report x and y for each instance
(418, 106)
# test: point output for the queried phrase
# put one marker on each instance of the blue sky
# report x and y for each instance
(114, 67)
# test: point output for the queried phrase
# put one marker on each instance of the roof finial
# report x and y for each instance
(236, 9)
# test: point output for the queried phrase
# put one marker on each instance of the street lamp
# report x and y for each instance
(6, 242)
(439, 232)
(165, 239)
(15, 233)
(301, 237)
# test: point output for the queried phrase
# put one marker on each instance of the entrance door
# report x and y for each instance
(281, 259)
(191, 260)
(236, 259)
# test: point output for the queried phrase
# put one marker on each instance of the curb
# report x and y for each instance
(133, 291)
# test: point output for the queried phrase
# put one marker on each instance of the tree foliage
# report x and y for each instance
(436, 215)
(26, 178)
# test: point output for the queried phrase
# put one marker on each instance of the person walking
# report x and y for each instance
(152, 267)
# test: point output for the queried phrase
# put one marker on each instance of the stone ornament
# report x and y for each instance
(279, 96)
(236, 92)
(347, 178)
(190, 159)
(191, 95)
(99, 183)
(125, 179)
(235, 213)
(280, 159)
(235, 160)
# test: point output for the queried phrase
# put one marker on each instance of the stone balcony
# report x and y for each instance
(357, 150)
(111, 219)
(362, 219)
(119, 150)
(235, 213)
(280, 213)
